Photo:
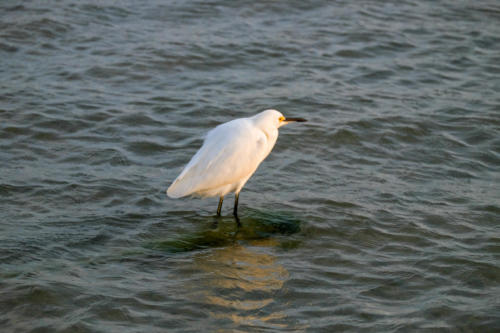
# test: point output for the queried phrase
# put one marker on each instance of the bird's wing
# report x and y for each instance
(231, 152)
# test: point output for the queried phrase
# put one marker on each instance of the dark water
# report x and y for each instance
(380, 214)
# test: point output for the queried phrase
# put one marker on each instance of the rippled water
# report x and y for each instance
(379, 214)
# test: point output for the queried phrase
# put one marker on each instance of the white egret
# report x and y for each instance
(229, 156)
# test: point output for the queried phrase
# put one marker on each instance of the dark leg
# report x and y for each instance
(220, 206)
(238, 223)
(235, 210)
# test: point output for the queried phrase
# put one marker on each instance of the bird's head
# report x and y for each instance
(274, 118)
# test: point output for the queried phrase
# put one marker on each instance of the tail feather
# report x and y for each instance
(178, 189)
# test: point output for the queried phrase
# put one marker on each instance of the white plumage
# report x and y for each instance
(229, 156)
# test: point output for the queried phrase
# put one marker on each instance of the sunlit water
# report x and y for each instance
(379, 214)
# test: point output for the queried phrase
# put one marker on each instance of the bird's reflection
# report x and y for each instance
(225, 231)
(233, 273)
(241, 282)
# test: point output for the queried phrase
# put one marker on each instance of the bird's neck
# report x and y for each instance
(270, 132)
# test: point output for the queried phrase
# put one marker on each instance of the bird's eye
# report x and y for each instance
(282, 118)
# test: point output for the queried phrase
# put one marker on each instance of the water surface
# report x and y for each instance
(379, 214)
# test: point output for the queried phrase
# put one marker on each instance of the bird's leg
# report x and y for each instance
(235, 210)
(238, 224)
(220, 205)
